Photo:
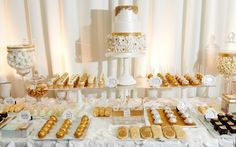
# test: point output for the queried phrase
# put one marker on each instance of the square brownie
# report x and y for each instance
(232, 129)
(217, 125)
(222, 130)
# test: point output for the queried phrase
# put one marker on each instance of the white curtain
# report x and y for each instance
(70, 35)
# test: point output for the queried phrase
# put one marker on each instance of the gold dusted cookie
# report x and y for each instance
(134, 132)
(180, 133)
(122, 132)
(146, 132)
(168, 132)
(157, 131)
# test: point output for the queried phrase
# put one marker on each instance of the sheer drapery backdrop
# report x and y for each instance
(70, 35)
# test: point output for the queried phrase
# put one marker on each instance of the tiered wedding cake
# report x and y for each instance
(126, 36)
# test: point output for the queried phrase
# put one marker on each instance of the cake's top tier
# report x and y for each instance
(126, 17)
(125, 2)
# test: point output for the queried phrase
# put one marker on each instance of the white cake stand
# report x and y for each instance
(126, 78)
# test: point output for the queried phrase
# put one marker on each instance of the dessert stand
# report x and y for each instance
(126, 78)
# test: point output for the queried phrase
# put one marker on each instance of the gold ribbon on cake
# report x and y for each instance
(127, 34)
(227, 54)
(119, 8)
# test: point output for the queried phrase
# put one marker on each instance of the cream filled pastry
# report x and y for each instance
(73, 80)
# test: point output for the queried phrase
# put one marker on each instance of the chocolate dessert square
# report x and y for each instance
(222, 130)
(220, 115)
(232, 129)
(233, 119)
(224, 120)
(229, 123)
(229, 116)
(213, 120)
(217, 125)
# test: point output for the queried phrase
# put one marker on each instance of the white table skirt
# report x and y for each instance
(101, 133)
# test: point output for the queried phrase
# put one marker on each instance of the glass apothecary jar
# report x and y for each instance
(36, 87)
(21, 58)
(226, 65)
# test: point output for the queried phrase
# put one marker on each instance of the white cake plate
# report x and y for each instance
(125, 55)
(126, 78)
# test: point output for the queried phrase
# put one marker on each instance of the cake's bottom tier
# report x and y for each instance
(126, 43)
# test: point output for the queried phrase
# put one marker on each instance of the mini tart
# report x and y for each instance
(146, 132)
(168, 132)
(122, 132)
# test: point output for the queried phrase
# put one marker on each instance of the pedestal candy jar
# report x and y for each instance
(21, 58)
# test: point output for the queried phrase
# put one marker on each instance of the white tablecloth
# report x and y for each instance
(101, 133)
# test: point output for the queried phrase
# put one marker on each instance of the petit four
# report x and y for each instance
(220, 115)
(222, 130)
(229, 124)
(224, 120)
(233, 119)
(156, 131)
(232, 129)
(229, 116)
(217, 124)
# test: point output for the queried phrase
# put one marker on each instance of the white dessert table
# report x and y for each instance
(101, 134)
